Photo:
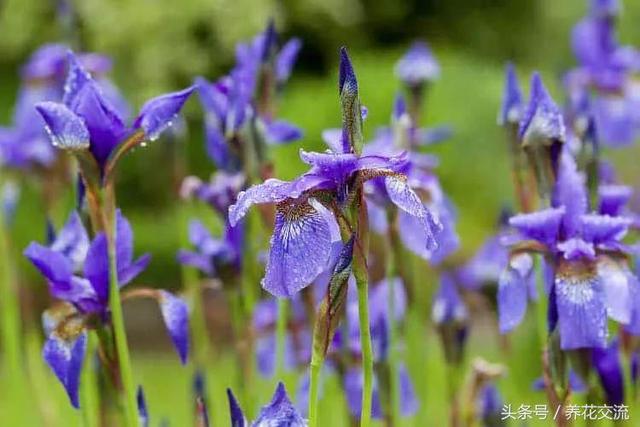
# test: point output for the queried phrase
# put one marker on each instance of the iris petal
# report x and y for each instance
(300, 249)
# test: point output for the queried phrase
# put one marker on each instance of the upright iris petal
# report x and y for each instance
(237, 416)
(542, 118)
(280, 411)
(512, 103)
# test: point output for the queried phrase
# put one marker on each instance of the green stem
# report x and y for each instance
(394, 378)
(314, 383)
(9, 306)
(120, 334)
(281, 335)
(367, 353)
(541, 305)
(88, 388)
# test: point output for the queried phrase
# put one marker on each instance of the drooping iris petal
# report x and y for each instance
(66, 130)
(300, 249)
(609, 369)
(580, 299)
(279, 412)
(513, 291)
(406, 199)
(620, 288)
(175, 314)
(157, 114)
(65, 358)
(235, 412)
(542, 225)
(201, 238)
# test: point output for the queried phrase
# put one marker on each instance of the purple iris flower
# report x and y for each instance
(230, 104)
(582, 250)
(213, 256)
(279, 412)
(306, 208)
(78, 275)
(301, 241)
(418, 65)
(606, 66)
(88, 119)
(43, 78)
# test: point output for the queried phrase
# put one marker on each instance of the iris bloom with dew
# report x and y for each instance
(308, 207)
(589, 279)
(24, 144)
(77, 273)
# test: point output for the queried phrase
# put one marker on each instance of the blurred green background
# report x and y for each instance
(160, 45)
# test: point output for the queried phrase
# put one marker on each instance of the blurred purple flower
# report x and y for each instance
(279, 412)
(418, 65)
(77, 272)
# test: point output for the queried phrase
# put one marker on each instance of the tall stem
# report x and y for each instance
(117, 320)
(9, 307)
(88, 388)
(391, 271)
(314, 380)
(367, 353)
(281, 335)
